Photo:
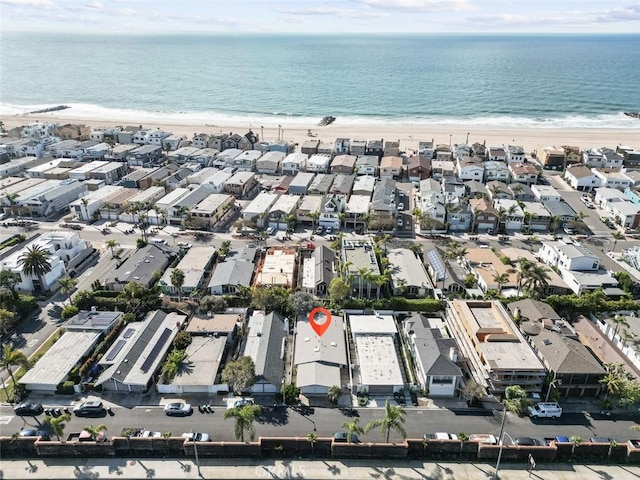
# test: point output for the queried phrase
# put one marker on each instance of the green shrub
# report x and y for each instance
(66, 388)
(69, 311)
(182, 340)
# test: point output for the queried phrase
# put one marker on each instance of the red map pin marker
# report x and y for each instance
(320, 328)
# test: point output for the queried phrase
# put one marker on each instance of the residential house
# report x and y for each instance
(213, 209)
(144, 156)
(554, 284)
(248, 141)
(434, 354)
(574, 369)
(462, 151)
(376, 342)
(359, 148)
(331, 208)
(195, 266)
(116, 203)
(66, 251)
(310, 147)
(408, 275)
(499, 191)
(447, 277)
(360, 266)
(418, 168)
(374, 147)
(270, 163)
(497, 154)
(357, 211)
(140, 267)
(318, 270)
(318, 163)
(343, 164)
(522, 192)
(157, 137)
(321, 184)
(561, 211)
(367, 165)
(430, 191)
(283, 209)
(496, 172)
(231, 142)
(158, 176)
(427, 149)
(495, 351)
(320, 362)
(544, 193)
(212, 178)
(476, 189)
(573, 155)
(486, 266)
(53, 200)
(341, 146)
(626, 214)
(72, 131)
(391, 148)
(453, 189)
(568, 256)
(525, 173)
(87, 208)
(246, 161)
(443, 153)
(342, 184)
(515, 154)
(581, 178)
(605, 158)
(364, 185)
(241, 184)
(226, 157)
(391, 167)
(510, 213)
(551, 158)
(537, 217)
(613, 179)
(278, 268)
(187, 204)
(442, 168)
(383, 207)
(459, 216)
(631, 157)
(470, 169)
(259, 207)
(308, 208)
(111, 173)
(294, 163)
(132, 180)
(485, 217)
(605, 197)
(182, 155)
(301, 183)
(230, 276)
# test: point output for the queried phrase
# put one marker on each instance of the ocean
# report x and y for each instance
(542, 81)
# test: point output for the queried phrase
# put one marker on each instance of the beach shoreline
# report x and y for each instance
(408, 134)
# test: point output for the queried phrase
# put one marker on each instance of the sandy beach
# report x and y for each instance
(408, 134)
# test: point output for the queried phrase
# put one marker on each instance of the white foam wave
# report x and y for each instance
(92, 112)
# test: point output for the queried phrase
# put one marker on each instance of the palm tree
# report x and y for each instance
(516, 189)
(57, 424)
(245, 416)
(614, 380)
(501, 279)
(111, 244)
(537, 279)
(314, 216)
(95, 431)
(12, 357)
(172, 364)
(620, 321)
(617, 236)
(177, 280)
(393, 420)
(67, 285)
(312, 438)
(353, 427)
(463, 437)
(35, 261)
(334, 394)
(362, 274)
(379, 280)
(575, 441)
(612, 444)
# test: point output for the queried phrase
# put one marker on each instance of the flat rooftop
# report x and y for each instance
(378, 361)
(277, 268)
(54, 365)
(204, 356)
(360, 254)
(216, 323)
(331, 347)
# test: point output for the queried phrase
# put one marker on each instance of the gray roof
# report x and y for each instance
(384, 192)
(431, 348)
(329, 349)
(343, 184)
(264, 346)
(370, 160)
(475, 186)
(533, 310)
(232, 272)
(324, 258)
(559, 209)
(142, 264)
(564, 355)
(322, 183)
(90, 321)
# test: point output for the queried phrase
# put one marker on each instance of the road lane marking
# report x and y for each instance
(6, 419)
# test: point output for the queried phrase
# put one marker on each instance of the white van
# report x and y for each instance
(545, 410)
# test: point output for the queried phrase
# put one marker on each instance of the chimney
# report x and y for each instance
(453, 354)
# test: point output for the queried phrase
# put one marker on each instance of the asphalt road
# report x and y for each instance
(281, 421)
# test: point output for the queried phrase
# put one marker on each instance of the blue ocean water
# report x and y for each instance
(523, 80)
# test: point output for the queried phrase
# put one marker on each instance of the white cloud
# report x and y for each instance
(49, 4)
(334, 12)
(419, 5)
(94, 6)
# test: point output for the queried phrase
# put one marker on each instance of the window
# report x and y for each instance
(441, 380)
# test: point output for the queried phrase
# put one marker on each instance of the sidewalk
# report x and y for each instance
(280, 469)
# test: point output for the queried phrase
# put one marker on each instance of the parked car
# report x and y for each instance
(239, 403)
(545, 410)
(196, 437)
(606, 440)
(341, 437)
(89, 409)
(567, 229)
(177, 409)
(558, 439)
(483, 438)
(149, 433)
(440, 436)
(527, 442)
(32, 432)
(271, 231)
(184, 245)
(329, 230)
(28, 409)
(319, 230)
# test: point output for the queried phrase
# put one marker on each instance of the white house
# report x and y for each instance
(270, 162)
(470, 169)
(604, 197)
(513, 216)
(613, 179)
(318, 163)
(626, 214)
(568, 256)
(65, 249)
(86, 207)
(294, 163)
(545, 193)
(581, 178)
(332, 206)
(497, 171)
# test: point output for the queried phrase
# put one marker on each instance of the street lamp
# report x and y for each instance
(467, 142)
(195, 450)
(555, 383)
(500, 452)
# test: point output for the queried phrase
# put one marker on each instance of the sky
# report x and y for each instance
(330, 16)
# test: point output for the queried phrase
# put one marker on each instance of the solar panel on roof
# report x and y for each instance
(115, 350)
(129, 332)
(155, 350)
